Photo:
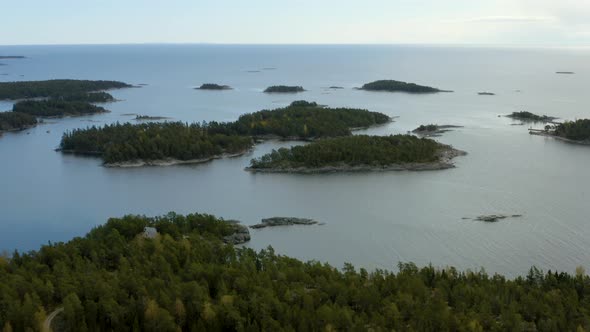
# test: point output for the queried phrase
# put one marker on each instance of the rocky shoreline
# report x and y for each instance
(445, 155)
(171, 162)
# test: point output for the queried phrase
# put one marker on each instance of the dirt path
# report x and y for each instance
(47, 322)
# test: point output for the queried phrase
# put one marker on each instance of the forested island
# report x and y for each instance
(53, 98)
(211, 86)
(153, 143)
(12, 121)
(170, 143)
(571, 131)
(56, 108)
(306, 120)
(399, 86)
(433, 130)
(283, 89)
(12, 57)
(486, 93)
(358, 153)
(528, 116)
(184, 278)
(55, 88)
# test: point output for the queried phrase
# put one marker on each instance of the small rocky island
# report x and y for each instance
(283, 221)
(239, 233)
(359, 153)
(213, 86)
(570, 131)
(399, 86)
(484, 93)
(530, 117)
(494, 217)
(433, 130)
(284, 89)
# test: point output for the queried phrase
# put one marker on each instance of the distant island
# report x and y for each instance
(336, 87)
(283, 221)
(12, 57)
(528, 116)
(56, 108)
(399, 86)
(54, 88)
(486, 93)
(565, 72)
(283, 89)
(358, 153)
(149, 117)
(212, 86)
(153, 143)
(433, 130)
(570, 131)
(13, 121)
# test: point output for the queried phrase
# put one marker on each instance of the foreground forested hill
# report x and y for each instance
(186, 279)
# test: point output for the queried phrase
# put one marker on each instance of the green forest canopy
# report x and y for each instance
(283, 88)
(181, 141)
(303, 119)
(394, 86)
(186, 279)
(56, 108)
(16, 121)
(352, 151)
(152, 141)
(578, 130)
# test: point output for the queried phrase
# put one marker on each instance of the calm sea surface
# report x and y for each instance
(372, 220)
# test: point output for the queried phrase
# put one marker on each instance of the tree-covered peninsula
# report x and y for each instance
(284, 89)
(358, 153)
(56, 108)
(399, 86)
(182, 277)
(10, 121)
(306, 120)
(153, 143)
(54, 88)
(570, 131)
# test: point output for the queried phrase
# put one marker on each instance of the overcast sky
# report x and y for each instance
(519, 22)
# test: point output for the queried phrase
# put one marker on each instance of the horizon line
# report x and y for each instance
(499, 45)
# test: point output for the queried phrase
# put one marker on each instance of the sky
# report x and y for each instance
(496, 22)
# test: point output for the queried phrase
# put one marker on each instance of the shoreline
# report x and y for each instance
(445, 154)
(170, 162)
(539, 132)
